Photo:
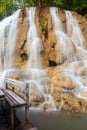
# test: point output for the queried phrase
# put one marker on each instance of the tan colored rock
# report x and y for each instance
(83, 71)
(68, 102)
(36, 95)
(49, 51)
(84, 94)
(59, 79)
(21, 39)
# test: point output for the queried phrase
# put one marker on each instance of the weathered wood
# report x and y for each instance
(2, 95)
(16, 97)
(27, 106)
(12, 120)
(8, 99)
(15, 101)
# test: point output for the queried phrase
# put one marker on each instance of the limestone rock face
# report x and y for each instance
(50, 55)
(21, 47)
(62, 70)
(68, 102)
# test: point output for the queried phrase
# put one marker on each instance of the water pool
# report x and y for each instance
(55, 120)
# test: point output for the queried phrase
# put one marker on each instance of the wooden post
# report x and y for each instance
(27, 106)
(12, 119)
(13, 89)
(6, 86)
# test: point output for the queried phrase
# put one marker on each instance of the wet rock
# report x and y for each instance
(69, 102)
(34, 104)
(84, 94)
(36, 95)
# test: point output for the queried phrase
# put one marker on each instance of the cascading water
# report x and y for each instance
(36, 74)
(73, 30)
(71, 56)
(62, 38)
(34, 42)
(77, 37)
(8, 35)
(71, 47)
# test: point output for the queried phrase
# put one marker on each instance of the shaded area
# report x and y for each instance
(52, 63)
(5, 120)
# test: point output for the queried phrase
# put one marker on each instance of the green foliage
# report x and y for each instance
(58, 3)
(80, 7)
(7, 7)
(43, 25)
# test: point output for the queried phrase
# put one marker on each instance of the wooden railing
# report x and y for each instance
(17, 96)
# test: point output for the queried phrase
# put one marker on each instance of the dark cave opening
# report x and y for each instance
(52, 63)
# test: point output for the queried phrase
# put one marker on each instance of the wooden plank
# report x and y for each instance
(1, 94)
(13, 99)
(16, 97)
(8, 99)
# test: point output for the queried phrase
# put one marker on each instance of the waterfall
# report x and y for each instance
(71, 55)
(34, 73)
(62, 39)
(8, 35)
(34, 42)
(33, 45)
(67, 43)
(74, 31)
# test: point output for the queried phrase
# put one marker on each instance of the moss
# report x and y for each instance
(24, 56)
(43, 26)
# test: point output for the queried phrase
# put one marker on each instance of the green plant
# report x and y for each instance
(43, 25)
(24, 56)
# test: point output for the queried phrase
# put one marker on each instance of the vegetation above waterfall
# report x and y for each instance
(7, 7)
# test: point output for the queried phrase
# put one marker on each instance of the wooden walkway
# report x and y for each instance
(2, 96)
(4, 123)
(5, 114)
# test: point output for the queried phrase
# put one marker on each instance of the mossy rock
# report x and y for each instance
(43, 25)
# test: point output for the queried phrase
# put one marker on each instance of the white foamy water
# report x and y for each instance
(71, 48)
(62, 39)
(34, 73)
(34, 42)
(8, 35)
(74, 31)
